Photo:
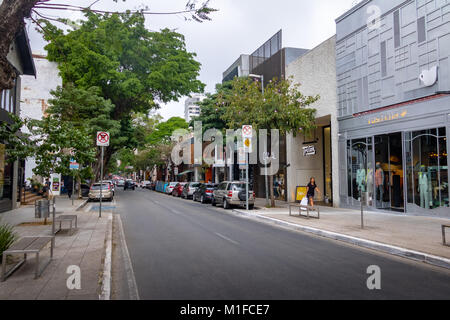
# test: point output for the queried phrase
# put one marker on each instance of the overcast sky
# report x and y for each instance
(240, 26)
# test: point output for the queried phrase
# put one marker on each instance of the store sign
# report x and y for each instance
(309, 151)
(74, 165)
(387, 116)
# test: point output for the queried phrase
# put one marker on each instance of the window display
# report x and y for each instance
(427, 168)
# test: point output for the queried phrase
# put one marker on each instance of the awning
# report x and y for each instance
(185, 172)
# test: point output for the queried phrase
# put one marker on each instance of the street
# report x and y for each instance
(182, 249)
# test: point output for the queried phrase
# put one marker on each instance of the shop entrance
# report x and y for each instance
(388, 193)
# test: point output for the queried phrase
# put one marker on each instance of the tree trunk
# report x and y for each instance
(272, 197)
(12, 13)
(106, 158)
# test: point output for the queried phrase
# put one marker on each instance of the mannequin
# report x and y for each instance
(361, 178)
(379, 183)
(423, 188)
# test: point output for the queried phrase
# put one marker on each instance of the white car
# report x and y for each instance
(144, 184)
(170, 187)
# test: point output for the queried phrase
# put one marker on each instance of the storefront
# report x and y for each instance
(396, 159)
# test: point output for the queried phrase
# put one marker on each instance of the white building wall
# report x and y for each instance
(35, 95)
(316, 72)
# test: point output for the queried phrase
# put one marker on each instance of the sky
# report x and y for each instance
(239, 27)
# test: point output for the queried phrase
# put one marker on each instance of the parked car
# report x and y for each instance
(85, 188)
(121, 183)
(178, 189)
(189, 189)
(129, 184)
(151, 186)
(170, 187)
(107, 193)
(145, 183)
(112, 186)
(204, 192)
(230, 193)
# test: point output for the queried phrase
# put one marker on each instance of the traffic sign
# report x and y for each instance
(102, 139)
(247, 131)
(248, 146)
(74, 165)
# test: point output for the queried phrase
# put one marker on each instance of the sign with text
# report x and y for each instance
(102, 139)
(74, 165)
(309, 151)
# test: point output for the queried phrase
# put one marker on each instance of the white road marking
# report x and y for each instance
(106, 280)
(226, 238)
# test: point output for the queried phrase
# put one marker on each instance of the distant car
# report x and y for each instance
(144, 184)
(170, 187)
(121, 183)
(151, 186)
(189, 190)
(204, 192)
(129, 184)
(231, 193)
(106, 190)
(178, 189)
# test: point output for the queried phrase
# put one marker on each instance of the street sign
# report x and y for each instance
(247, 131)
(242, 159)
(248, 146)
(74, 165)
(102, 139)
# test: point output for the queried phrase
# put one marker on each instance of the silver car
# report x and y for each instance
(189, 189)
(232, 193)
(107, 193)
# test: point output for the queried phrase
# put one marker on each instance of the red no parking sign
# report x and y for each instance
(102, 139)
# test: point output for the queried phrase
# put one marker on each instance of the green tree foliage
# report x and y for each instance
(282, 106)
(18, 145)
(133, 67)
(164, 131)
(211, 109)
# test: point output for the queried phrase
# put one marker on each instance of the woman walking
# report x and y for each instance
(312, 186)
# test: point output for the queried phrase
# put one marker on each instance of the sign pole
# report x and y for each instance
(73, 185)
(247, 156)
(101, 185)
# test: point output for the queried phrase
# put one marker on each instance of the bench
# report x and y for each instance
(308, 210)
(444, 242)
(66, 218)
(28, 245)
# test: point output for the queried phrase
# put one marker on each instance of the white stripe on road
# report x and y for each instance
(226, 238)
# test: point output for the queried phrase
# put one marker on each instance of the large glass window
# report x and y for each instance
(360, 175)
(427, 168)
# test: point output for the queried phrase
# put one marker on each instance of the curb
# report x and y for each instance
(369, 244)
(107, 264)
(81, 205)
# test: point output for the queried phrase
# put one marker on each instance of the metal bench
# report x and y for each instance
(66, 218)
(308, 210)
(444, 242)
(28, 245)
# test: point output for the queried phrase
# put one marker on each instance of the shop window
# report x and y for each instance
(427, 168)
(358, 173)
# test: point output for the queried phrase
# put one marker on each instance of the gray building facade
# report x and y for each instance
(393, 85)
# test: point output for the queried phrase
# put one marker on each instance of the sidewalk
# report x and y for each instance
(85, 249)
(422, 234)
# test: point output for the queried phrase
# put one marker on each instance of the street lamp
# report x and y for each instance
(260, 76)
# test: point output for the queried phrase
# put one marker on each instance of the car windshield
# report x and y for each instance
(195, 185)
(97, 186)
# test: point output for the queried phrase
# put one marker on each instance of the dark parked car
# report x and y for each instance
(129, 184)
(204, 192)
(85, 190)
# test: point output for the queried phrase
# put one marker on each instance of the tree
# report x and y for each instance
(211, 110)
(134, 68)
(18, 145)
(164, 131)
(14, 13)
(282, 107)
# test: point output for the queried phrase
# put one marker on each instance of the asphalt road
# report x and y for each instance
(181, 249)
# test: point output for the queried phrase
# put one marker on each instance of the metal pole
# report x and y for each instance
(73, 186)
(101, 186)
(266, 178)
(246, 178)
(362, 209)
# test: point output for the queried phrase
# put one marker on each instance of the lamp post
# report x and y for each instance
(257, 76)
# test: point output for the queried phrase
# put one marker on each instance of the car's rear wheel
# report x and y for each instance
(226, 206)
(202, 199)
(213, 202)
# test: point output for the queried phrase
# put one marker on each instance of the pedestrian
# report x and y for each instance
(47, 186)
(312, 186)
(69, 189)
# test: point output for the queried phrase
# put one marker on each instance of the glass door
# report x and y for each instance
(388, 180)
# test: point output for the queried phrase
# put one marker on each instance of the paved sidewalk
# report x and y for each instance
(85, 248)
(416, 233)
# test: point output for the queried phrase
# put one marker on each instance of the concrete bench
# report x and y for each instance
(66, 218)
(28, 245)
(444, 242)
(308, 210)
